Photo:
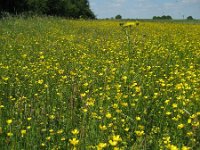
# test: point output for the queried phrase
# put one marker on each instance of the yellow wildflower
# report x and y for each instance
(63, 139)
(100, 146)
(108, 115)
(172, 147)
(60, 131)
(113, 143)
(139, 133)
(48, 138)
(40, 81)
(75, 131)
(103, 127)
(180, 126)
(23, 132)
(174, 105)
(9, 121)
(117, 138)
(29, 118)
(9, 134)
(138, 118)
(74, 141)
(185, 148)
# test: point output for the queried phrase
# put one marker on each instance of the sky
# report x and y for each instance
(146, 9)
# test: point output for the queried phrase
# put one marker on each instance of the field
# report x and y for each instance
(76, 84)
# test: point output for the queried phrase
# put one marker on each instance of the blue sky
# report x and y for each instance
(146, 9)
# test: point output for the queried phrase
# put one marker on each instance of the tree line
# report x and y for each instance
(162, 17)
(168, 17)
(63, 8)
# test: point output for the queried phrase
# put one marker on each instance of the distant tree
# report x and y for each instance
(169, 17)
(189, 18)
(118, 17)
(166, 17)
(154, 17)
(163, 17)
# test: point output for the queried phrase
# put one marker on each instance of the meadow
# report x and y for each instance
(76, 84)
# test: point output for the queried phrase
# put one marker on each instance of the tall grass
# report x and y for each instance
(75, 84)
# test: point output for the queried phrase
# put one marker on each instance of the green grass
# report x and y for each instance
(96, 84)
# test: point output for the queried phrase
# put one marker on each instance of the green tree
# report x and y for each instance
(65, 8)
(166, 17)
(118, 17)
(37, 6)
(54, 7)
(85, 10)
(13, 6)
(189, 18)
